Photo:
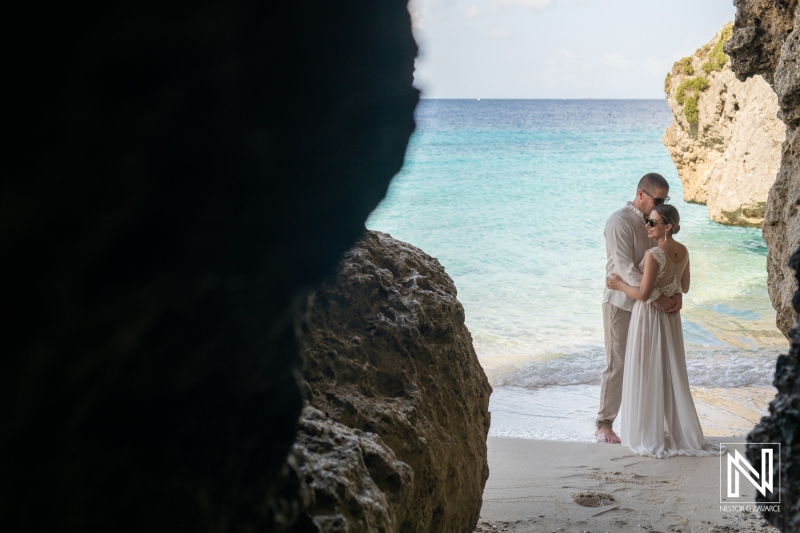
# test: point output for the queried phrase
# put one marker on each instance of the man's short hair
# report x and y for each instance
(653, 181)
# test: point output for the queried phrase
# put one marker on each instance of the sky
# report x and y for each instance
(557, 48)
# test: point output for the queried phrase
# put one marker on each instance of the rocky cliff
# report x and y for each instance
(394, 438)
(781, 426)
(765, 43)
(725, 138)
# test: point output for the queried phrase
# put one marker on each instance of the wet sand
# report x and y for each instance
(547, 486)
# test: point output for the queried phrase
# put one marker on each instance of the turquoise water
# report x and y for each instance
(512, 195)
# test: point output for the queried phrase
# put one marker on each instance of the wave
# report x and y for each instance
(717, 368)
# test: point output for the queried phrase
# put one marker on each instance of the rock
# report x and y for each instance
(781, 426)
(388, 354)
(764, 43)
(357, 484)
(782, 231)
(178, 176)
(729, 155)
(760, 30)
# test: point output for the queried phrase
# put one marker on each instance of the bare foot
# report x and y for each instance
(606, 435)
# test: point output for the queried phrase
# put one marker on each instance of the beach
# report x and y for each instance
(546, 486)
(512, 196)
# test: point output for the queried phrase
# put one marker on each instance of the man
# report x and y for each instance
(626, 242)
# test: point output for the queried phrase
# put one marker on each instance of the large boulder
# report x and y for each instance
(765, 43)
(388, 354)
(178, 176)
(725, 138)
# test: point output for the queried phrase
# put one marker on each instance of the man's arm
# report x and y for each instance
(643, 291)
(619, 243)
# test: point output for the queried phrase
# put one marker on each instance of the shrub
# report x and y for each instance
(696, 84)
(717, 57)
(687, 94)
(690, 109)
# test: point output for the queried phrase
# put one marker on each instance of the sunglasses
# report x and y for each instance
(651, 223)
(656, 199)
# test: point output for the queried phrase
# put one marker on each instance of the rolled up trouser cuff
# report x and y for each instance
(615, 325)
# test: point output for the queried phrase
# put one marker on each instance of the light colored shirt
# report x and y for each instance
(626, 242)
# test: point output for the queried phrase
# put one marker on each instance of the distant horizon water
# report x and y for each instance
(512, 196)
(579, 99)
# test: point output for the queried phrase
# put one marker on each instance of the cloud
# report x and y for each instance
(501, 34)
(530, 4)
(568, 68)
(588, 72)
(473, 12)
(616, 60)
(425, 11)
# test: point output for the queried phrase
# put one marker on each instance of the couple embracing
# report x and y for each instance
(645, 380)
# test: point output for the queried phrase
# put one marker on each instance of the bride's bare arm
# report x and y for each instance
(643, 291)
(686, 279)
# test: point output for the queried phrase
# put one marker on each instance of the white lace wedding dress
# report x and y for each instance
(657, 416)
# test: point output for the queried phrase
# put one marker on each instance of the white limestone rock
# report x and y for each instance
(729, 156)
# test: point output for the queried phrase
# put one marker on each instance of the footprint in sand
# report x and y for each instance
(592, 499)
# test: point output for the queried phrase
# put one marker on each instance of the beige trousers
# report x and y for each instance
(615, 325)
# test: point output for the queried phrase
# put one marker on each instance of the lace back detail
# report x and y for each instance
(661, 257)
(672, 285)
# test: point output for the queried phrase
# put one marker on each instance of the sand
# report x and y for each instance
(533, 486)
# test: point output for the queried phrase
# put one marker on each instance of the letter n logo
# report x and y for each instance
(739, 465)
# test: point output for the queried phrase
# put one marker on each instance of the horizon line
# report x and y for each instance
(544, 98)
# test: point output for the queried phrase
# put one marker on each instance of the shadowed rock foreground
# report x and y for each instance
(782, 425)
(180, 177)
(393, 381)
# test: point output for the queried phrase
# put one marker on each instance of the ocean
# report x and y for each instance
(511, 196)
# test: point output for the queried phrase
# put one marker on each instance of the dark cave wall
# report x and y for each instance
(781, 427)
(765, 41)
(180, 176)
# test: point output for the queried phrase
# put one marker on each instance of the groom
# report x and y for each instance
(626, 242)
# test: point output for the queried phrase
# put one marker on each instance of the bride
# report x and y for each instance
(657, 416)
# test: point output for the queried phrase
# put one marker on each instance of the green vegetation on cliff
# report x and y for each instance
(713, 58)
(696, 84)
(717, 57)
(690, 110)
(687, 94)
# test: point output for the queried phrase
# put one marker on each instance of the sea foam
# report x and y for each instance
(719, 368)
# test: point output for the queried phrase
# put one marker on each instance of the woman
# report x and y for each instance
(658, 417)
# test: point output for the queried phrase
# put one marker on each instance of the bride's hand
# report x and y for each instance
(614, 282)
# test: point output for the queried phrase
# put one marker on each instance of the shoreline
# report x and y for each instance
(532, 483)
(567, 413)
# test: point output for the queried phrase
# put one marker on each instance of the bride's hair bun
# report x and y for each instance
(676, 228)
